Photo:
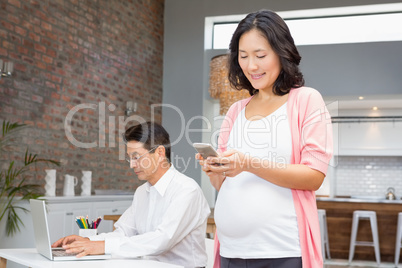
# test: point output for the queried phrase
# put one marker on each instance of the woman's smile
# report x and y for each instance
(257, 76)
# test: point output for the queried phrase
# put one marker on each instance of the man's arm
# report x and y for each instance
(181, 217)
(95, 244)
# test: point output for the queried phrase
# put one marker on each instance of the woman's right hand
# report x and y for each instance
(216, 179)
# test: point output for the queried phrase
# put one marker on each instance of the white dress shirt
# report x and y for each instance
(166, 222)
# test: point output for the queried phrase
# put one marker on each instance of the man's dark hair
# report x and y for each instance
(275, 30)
(151, 134)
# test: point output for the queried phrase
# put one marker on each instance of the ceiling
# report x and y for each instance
(367, 102)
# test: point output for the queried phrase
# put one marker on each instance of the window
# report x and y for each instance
(375, 23)
(347, 29)
(222, 34)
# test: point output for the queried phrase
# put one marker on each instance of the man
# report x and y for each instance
(168, 216)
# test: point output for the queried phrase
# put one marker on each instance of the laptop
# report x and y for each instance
(42, 237)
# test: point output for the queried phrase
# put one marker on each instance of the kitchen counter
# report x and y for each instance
(79, 198)
(339, 213)
(90, 198)
(360, 200)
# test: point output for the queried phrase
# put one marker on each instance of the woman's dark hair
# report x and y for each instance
(151, 134)
(275, 30)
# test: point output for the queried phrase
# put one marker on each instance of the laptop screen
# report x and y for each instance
(41, 228)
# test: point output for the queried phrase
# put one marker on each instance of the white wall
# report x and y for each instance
(368, 175)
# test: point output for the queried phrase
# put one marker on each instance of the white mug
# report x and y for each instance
(69, 183)
(50, 185)
(86, 182)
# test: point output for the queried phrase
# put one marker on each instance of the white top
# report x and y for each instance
(255, 218)
(166, 221)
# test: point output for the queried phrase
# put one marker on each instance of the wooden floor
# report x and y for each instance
(344, 264)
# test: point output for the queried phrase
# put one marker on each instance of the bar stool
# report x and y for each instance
(322, 218)
(398, 239)
(372, 216)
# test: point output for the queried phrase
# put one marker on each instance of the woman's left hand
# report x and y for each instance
(230, 163)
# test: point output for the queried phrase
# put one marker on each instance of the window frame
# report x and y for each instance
(336, 12)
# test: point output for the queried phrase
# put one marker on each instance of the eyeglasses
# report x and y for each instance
(130, 158)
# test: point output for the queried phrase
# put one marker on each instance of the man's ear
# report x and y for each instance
(161, 151)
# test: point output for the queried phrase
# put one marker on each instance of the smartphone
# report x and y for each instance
(205, 150)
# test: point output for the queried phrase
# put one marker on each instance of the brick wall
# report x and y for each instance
(98, 54)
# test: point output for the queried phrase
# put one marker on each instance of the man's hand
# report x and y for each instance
(67, 240)
(85, 247)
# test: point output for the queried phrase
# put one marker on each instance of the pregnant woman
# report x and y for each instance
(274, 152)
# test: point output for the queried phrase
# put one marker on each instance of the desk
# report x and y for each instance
(211, 227)
(30, 258)
(113, 218)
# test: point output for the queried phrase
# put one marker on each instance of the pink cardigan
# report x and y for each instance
(310, 125)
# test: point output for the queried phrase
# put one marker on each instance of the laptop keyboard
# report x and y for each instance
(61, 253)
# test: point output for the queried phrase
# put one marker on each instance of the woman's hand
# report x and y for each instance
(216, 179)
(230, 163)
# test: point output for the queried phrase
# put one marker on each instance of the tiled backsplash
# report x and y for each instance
(368, 175)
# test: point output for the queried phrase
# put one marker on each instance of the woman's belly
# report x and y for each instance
(252, 210)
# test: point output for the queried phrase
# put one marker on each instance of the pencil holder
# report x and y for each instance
(88, 232)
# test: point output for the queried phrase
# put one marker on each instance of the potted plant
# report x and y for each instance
(13, 186)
